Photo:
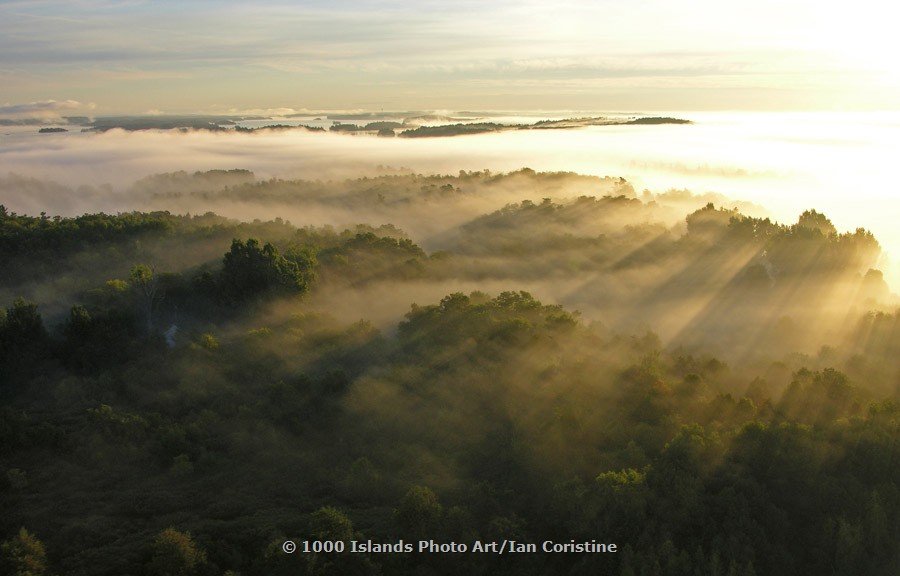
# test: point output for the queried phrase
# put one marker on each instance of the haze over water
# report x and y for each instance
(837, 163)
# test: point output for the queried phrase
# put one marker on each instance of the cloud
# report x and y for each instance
(132, 74)
(284, 111)
(44, 110)
(332, 54)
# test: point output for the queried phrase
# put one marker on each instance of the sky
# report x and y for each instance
(100, 57)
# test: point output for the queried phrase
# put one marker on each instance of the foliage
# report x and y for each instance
(177, 379)
(23, 555)
(250, 270)
(176, 554)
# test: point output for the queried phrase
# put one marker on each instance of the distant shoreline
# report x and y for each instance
(409, 127)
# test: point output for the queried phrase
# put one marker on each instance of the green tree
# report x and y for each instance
(812, 220)
(419, 512)
(362, 481)
(329, 523)
(23, 555)
(249, 270)
(24, 342)
(176, 554)
(21, 327)
(92, 342)
(145, 283)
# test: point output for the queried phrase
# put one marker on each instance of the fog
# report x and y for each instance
(787, 163)
(281, 320)
(608, 238)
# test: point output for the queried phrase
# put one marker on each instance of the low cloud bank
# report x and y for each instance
(762, 163)
(44, 111)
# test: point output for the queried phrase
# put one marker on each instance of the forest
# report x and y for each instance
(525, 356)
